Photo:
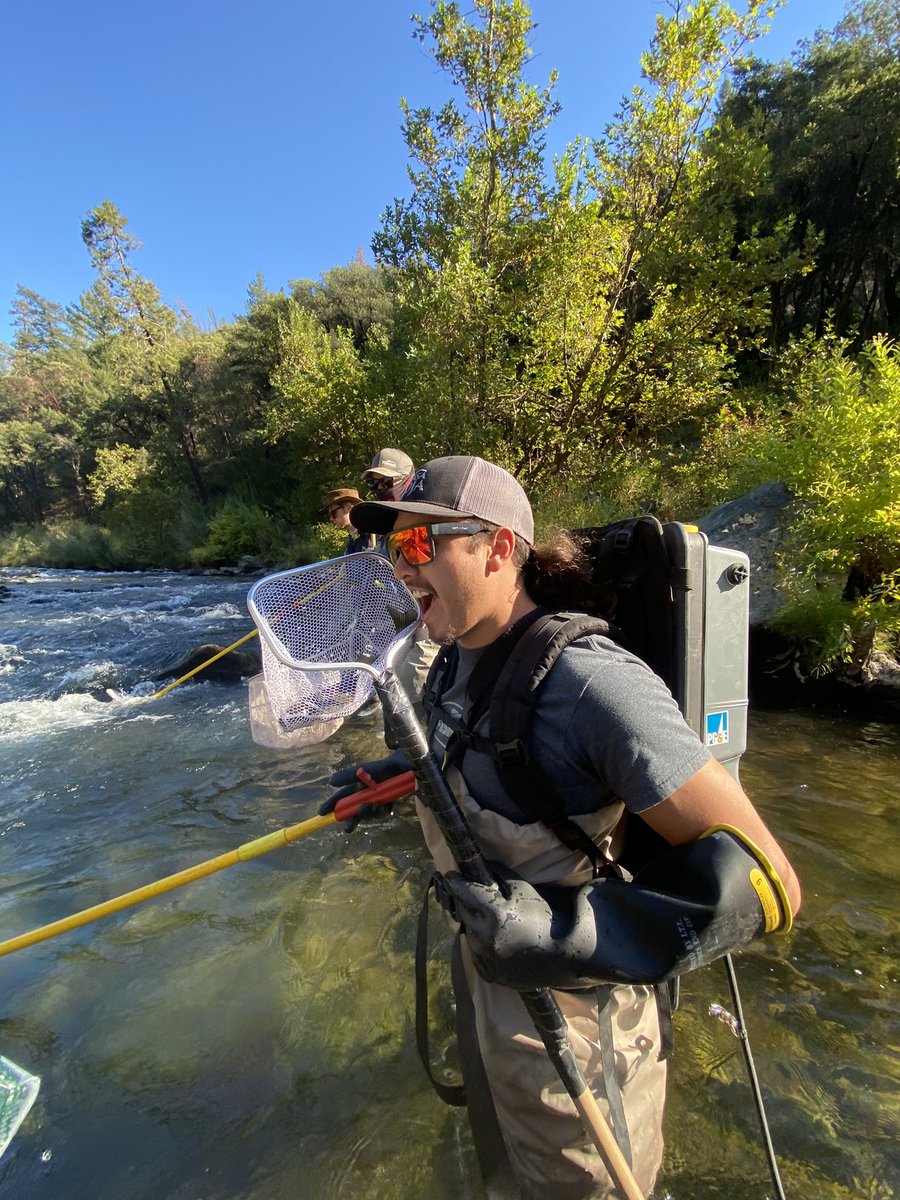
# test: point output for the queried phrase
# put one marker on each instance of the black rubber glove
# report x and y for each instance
(347, 782)
(688, 906)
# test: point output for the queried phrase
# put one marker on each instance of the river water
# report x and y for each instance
(249, 1036)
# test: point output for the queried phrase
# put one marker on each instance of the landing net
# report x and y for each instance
(326, 631)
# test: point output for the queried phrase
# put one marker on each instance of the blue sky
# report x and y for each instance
(254, 137)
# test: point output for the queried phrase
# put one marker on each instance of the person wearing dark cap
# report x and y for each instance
(338, 503)
(606, 745)
(390, 473)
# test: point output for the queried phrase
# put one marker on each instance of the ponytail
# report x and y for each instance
(556, 573)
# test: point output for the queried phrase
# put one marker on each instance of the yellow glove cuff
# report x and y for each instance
(766, 883)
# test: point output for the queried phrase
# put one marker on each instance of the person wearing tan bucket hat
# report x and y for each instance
(338, 503)
(606, 750)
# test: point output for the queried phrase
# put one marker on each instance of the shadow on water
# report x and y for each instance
(249, 1037)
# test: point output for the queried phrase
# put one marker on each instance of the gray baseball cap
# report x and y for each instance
(458, 485)
(390, 464)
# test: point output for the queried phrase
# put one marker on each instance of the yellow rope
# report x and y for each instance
(253, 633)
(221, 654)
(261, 845)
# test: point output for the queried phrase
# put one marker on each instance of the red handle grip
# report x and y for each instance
(392, 789)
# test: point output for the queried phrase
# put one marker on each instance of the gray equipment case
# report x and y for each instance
(684, 607)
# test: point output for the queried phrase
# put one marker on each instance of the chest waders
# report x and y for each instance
(542, 1008)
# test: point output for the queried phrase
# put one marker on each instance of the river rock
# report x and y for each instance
(237, 664)
(755, 524)
(869, 685)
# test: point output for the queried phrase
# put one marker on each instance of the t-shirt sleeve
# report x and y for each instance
(624, 733)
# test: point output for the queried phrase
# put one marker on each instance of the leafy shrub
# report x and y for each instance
(237, 529)
(838, 450)
(20, 546)
(320, 541)
(840, 455)
(824, 626)
(733, 457)
(152, 527)
(66, 544)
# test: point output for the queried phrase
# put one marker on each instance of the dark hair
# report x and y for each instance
(555, 573)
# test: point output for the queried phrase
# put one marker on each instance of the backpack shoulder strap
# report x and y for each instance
(512, 706)
(440, 673)
(514, 698)
(506, 684)
(479, 689)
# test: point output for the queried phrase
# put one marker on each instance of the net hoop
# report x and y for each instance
(327, 632)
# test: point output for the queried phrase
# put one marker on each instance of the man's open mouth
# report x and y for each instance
(423, 599)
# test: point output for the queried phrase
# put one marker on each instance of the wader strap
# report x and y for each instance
(450, 1093)
(667, 996)
(611, 1087)
(490, 1148)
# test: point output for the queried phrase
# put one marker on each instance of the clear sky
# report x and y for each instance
(254, 137)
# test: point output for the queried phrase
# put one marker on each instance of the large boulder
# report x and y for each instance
(237, 664)
(755, 524)
(868, 685)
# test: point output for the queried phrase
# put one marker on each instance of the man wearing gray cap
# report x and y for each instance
(389, 474)
(606, 745)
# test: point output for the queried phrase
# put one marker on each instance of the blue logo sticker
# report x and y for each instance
(716, 728)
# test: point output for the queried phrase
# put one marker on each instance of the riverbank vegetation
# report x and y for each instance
(695, 299)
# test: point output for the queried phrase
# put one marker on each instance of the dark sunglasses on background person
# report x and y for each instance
(417, 544)
(383, 483)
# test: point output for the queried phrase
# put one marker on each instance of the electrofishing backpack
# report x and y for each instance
(663, 593)
(683, 606)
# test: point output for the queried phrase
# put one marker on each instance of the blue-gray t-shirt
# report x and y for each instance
(605, 728)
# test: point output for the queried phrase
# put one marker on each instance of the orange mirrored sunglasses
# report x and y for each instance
(417, 544)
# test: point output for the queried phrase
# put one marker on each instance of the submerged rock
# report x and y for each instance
(237, 664)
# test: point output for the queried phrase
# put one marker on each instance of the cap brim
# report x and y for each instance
(381, 472)
(378, 516)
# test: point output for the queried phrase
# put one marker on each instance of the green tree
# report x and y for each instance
(356, 298)
(138, 339)
(463, 240)
(649, 289)
(828, 121)
(325, 403)
(557, 322)
(270, 449)
(47, 396)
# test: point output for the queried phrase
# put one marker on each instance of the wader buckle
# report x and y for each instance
(510, 753)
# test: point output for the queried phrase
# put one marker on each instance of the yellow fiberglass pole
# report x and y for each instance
(221, 654)
(271, 841)
(382, 793)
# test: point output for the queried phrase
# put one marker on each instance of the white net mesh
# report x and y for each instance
(317, 625)
(267, 730)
